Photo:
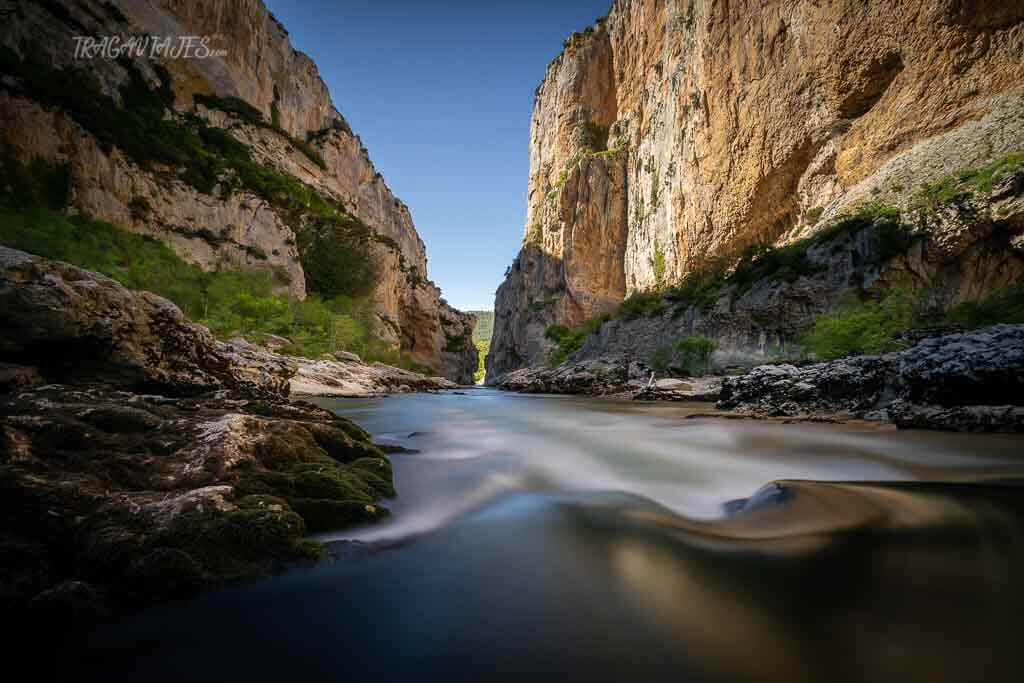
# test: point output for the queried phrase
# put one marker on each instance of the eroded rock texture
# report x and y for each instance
(218, 228)
(672, 133)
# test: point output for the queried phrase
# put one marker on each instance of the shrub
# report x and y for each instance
(336, 260)
(568, 342)
(37, 183)
(661, 359)
(867, 327)
(694, 354)
(640, 304)
(1006, 306)
(658, 264)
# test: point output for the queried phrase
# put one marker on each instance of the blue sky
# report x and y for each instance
(441, 94)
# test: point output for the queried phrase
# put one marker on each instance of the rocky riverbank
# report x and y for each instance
(964, 382)
(141, 459)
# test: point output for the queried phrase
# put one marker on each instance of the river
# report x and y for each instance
(563, 539)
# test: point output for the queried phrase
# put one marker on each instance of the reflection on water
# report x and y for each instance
(556, 539)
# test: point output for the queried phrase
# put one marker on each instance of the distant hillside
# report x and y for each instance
(484, 325)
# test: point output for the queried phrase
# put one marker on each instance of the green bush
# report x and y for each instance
(869, 327)
(1006, 306)
(568, 342)
(640, 304)
(37, 183)
(482, 347)
(694, 354)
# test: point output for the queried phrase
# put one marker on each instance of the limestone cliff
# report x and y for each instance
(248, 80)
(674, 133)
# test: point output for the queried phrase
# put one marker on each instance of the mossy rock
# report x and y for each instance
(167, 572)
(325, 515)
(332, 484)
(376, 472)
(340, 445)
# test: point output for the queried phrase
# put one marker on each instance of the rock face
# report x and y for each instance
(212, 229)
(84, 327)
(962, 382)
(671, 134)
(955, 255)
(140, 459)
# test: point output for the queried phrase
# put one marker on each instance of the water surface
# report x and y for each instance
(542, 538)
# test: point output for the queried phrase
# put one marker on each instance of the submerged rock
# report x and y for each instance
(971, 381)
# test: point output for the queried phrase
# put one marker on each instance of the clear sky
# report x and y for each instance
(441, 94)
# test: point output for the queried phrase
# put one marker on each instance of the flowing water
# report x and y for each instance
(542, 538)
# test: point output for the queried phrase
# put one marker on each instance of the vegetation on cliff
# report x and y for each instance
(866, 321)
(231, 301)
(333, 244)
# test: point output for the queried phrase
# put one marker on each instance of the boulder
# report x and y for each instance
(347, 357)
(74, 325)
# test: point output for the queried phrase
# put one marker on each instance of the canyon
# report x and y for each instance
(674, 137)
(270, 99)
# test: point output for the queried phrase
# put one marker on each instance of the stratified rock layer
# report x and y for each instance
(673, 133)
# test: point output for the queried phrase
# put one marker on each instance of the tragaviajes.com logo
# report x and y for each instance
(146, 47)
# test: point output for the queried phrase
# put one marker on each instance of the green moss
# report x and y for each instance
(324, 515)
